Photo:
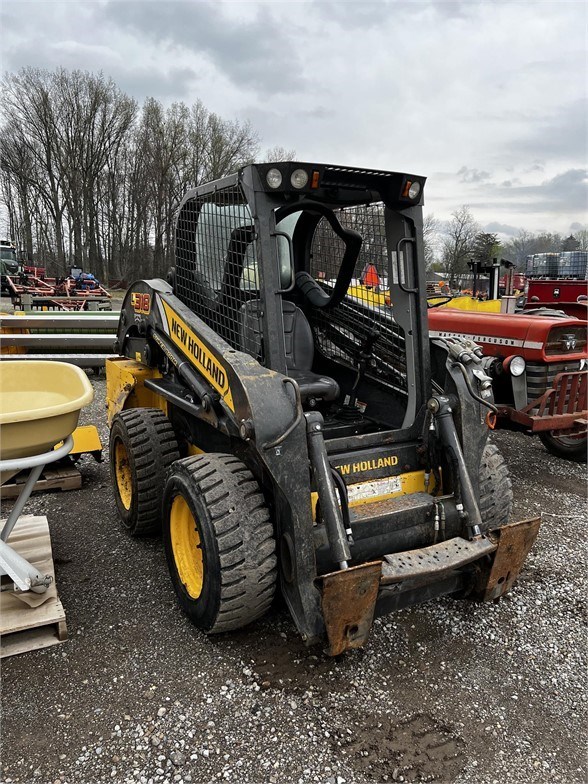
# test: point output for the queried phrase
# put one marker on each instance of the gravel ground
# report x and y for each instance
(445, 692)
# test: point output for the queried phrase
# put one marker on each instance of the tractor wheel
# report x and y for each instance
(142, 448)
(568, 447)
(495, 489)
(219, 542)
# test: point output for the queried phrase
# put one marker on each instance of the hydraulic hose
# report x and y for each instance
(325, 486)
(341, 488)
(471, 390)
(294, 424)
(444, 416)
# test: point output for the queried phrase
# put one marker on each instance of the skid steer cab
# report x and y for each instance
(284, 432)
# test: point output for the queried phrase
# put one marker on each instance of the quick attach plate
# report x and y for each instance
(349, 600)
(514, 544)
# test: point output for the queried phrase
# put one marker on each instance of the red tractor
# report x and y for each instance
(558, 280)
(571, 296)
(537, 364)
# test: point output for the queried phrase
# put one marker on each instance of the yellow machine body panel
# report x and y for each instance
(382, 489)
(469, 303)
(370, 297)
(86, 439)
(125, 387)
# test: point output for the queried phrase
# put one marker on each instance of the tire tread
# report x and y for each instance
(244, 534)
(495, 488)
(154, 448)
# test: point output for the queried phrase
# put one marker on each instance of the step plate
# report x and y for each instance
(436, 559)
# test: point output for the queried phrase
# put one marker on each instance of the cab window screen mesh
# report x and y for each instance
(216, 267)
(343, 330)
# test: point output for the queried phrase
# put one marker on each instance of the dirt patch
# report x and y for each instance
(450, 691)
(419, 748)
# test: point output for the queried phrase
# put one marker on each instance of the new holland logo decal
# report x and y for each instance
(203, 359)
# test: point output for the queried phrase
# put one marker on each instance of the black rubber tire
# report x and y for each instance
(239, 565)
(571, 449)
(495, 489)
(151, 447)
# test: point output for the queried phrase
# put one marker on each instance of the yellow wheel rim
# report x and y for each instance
(186, 546)
(124, 476)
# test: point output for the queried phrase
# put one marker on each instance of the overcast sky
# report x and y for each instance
(487, 99)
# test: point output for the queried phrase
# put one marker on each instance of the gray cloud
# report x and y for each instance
(502, 228)
(251, 53)
(556, 135)
(137, 79)
(538, 166)
(178, 83)
(553, 196)
(421, 86)
(472, 175)
(362, 15)
(454, 9)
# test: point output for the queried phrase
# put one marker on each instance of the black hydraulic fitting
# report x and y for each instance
(441, 406)
(329, 506)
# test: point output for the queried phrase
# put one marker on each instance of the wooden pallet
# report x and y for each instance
(55, 477)
(24, 628)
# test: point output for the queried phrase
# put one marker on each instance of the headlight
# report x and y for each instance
(414, 190)
(274, 178)
(583, 364)
(516, 366)
(299, 178)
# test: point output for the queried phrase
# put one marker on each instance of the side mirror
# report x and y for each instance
(285, 260)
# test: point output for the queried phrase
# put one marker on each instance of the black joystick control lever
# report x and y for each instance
(366, 353)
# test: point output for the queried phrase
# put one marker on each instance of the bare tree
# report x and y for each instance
(230, 145)
(30, 131)
(93, 119)
(163, 139)
(582, 237)
(275, 154)
(60, 132)
(517, 249)
(85, 178)
(431, 228)
(546, 242)
(458, 243)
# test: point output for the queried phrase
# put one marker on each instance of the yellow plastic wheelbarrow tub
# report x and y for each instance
(40, 403)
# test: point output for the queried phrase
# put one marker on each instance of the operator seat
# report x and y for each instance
(299, 345)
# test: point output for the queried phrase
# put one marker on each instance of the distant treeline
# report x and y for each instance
(90, 179)
(451, 245)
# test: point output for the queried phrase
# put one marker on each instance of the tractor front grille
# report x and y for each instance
(541, 375)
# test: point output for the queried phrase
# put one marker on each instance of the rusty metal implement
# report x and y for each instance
(514, 544)
(348, 603)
